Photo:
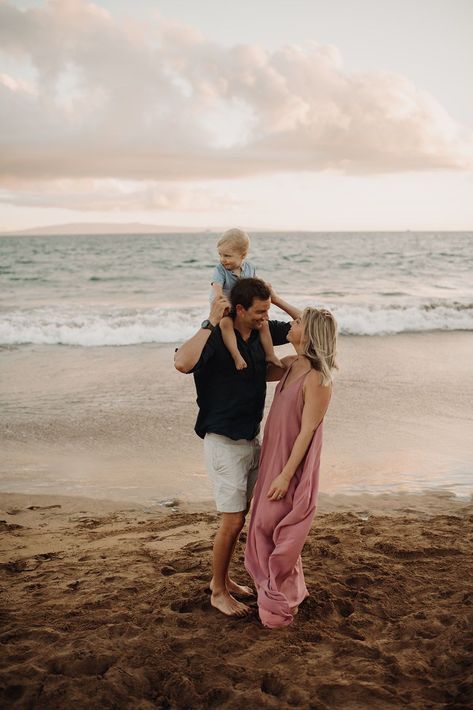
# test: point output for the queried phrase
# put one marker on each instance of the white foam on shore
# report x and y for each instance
(99, 326)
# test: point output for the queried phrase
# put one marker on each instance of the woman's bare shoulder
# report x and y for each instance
(313, 382)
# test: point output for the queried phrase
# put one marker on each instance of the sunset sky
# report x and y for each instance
(304, 115)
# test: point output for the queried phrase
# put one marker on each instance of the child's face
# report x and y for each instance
(230, 257)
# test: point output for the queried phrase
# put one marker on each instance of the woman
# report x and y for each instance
(286, 492)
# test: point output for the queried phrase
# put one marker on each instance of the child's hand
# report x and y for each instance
(217, 310)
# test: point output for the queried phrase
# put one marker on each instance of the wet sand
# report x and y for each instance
(106, 605)
(117, 423)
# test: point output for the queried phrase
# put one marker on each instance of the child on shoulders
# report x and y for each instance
(232, 249)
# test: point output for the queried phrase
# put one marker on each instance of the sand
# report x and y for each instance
(106, 605)
(117, 423)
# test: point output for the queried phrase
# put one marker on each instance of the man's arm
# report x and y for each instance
(274, 373)
(189, 353)
(284, 306)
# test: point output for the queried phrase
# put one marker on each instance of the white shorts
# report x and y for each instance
(233, 469)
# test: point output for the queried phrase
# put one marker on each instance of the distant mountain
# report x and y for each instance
(105, 228)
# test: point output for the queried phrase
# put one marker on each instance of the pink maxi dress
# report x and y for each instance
(278, 529)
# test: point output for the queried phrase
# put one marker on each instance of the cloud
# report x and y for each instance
(115, 196)
(109, 99)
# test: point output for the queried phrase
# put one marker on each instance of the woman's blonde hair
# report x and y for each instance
(237, 238)
(320, 341)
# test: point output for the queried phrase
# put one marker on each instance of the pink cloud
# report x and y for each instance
(161, 102)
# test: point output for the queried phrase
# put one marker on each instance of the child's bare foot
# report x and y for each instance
(240, 363)
(295, 610)
(273, 360)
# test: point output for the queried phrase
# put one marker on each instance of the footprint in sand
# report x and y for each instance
(216, 697)
(42, 507)
(332, 539)
(168, 570)
(358, 581)
(47, 556)
(19, 566)
(198, 546)
(81, 663)
(186, 606)
(272, 685)
(345, 608)
(348, 630)
(9, 527)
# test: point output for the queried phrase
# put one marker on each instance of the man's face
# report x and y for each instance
(256, 314)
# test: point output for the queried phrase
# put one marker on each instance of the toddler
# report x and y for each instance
(232, 249)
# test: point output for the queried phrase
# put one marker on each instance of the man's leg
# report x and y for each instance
(232, 586)
(231, 525)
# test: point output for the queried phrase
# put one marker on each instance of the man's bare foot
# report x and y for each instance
(240, 589)
(240, 363)
(228, 605)
(273, 360)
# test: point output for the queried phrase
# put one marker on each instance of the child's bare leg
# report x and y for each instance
(229, 338)
(267, 343)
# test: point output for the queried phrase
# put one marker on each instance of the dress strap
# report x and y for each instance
(284, 377)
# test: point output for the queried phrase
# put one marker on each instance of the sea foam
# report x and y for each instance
(100, 326)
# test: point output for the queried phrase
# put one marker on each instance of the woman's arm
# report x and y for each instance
(316, 401)
(189, 353)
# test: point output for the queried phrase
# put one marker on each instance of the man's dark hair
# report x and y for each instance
(246, 290)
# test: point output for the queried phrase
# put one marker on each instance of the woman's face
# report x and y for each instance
(296, 332)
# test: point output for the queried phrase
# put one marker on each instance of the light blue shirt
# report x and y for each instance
(228, 279)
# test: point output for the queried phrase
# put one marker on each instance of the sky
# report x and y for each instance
(302, 115)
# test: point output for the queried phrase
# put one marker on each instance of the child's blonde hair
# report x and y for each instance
(320, 341)
(236, 238)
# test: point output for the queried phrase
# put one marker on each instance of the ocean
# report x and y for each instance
(132, 289)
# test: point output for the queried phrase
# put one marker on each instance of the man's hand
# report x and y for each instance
(220, 307)
(279, 486)
(189, 353)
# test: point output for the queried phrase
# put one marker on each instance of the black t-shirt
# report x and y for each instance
(231, 401)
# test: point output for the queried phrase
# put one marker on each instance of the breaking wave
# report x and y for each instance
(99, 326)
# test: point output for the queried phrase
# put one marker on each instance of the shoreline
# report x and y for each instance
(390, 503)
(110, 601)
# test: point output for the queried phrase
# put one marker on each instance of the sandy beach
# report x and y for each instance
(107, 525)
(107, 606)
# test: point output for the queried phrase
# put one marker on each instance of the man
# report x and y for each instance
(231, 404)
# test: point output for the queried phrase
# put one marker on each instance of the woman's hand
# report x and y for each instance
(278, 301)
(272, 294)
(279, 486)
